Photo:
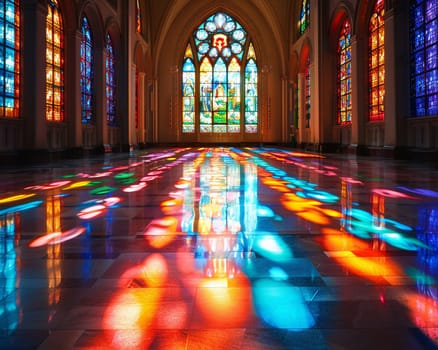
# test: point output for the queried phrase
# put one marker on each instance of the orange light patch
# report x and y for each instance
(160, 232)
(223, 306)
(314, 216)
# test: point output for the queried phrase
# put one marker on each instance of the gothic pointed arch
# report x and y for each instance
(220, 79)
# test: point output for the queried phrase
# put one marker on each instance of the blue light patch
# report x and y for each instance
(21, 207)
(406, 243)
(281, 305)
(322, 196)
(272, 247)
(265, 212)
(278, 274)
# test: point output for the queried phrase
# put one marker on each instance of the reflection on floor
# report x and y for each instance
(219, 248)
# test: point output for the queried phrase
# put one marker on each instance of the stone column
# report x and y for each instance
(132, 137)
(284, 110)
(141, 104)
(396, 75)
(100, 95)
(33, 108)
(73, 89)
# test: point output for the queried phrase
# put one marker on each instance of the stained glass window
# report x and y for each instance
(110, 83)
(219, 66)
(54, 63)
(307, 93)
(10, 58)
(424, 57)
(138, 16)
(376, 63)
(344, 75)
(86, 73)
(188, 91)
(251, 96)
(304, 20)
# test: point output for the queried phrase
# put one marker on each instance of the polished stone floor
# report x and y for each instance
(219, 248)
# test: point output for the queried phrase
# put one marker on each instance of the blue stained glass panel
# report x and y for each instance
(431, 10)
(188, 66)
(433, 104)
(424, 37)
(419, 40)
(11, 9)
(432, 57)
(419, 15)
(431, 32)
(9, 58)
(432, 81)
(419, 62)
(420, 85)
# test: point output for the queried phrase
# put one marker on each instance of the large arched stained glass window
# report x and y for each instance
(344, 75)
(219, 67)
(54, 63)
(86, 73)
(304, 20)
(376, 63)
(10, 58)
(424, 57)
(110, 83)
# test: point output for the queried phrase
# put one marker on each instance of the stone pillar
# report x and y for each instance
(301, 109)
(73, 89)
(100, 95)
(313, 121)
(132, 137)
(284, 110)
(141, 104)
(33, 108)
(396, 75)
